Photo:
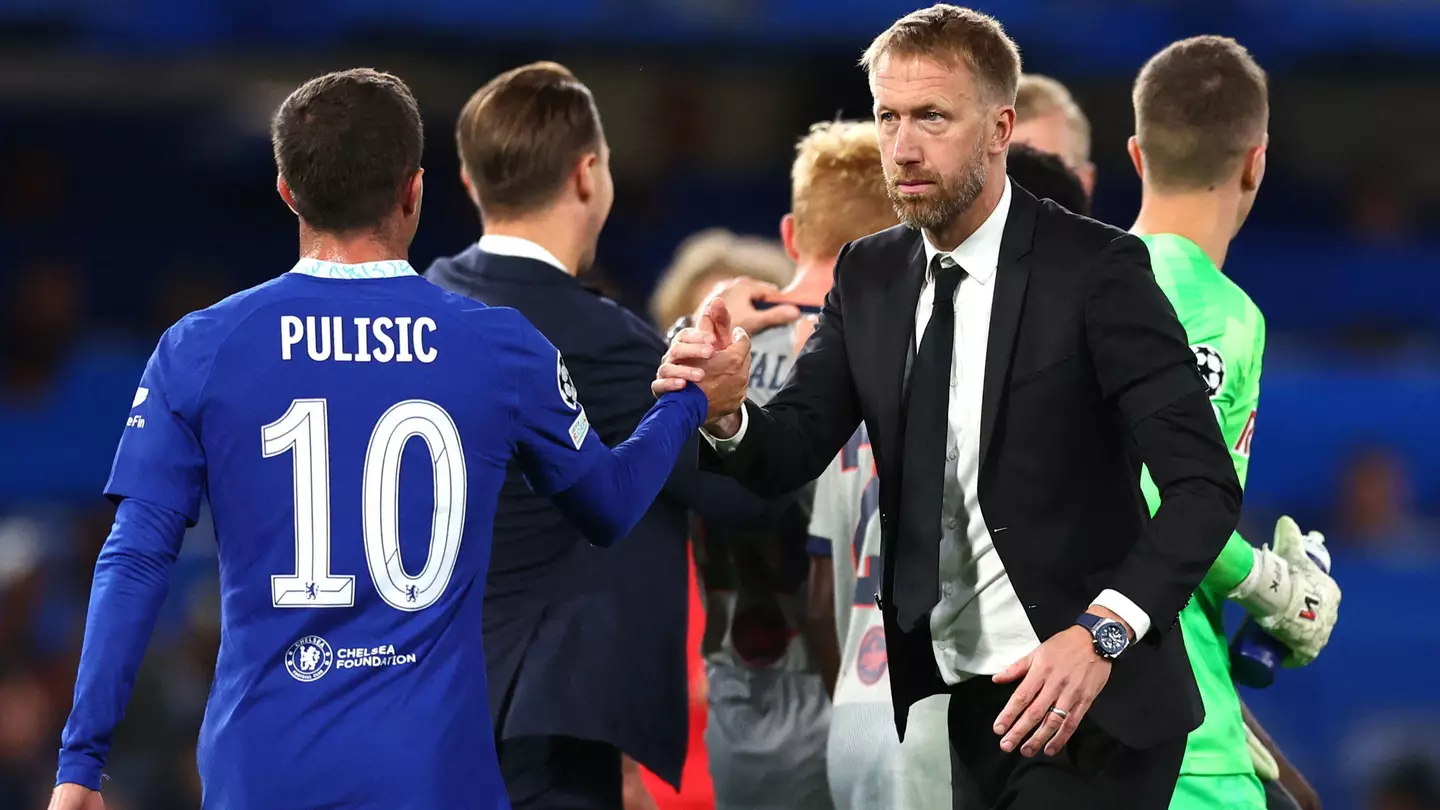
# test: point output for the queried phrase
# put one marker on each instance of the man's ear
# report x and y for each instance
(1004, 129)
(469, 185)
(787, 237)
(414, 191)
(1132, 146)
(585, 176)
(1253, 171)
(285, 194)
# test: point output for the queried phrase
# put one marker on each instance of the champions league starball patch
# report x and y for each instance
(1211, 367)
(568, 394)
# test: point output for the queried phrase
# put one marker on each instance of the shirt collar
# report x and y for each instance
(394, 268)
(503, 245)
(979, 254)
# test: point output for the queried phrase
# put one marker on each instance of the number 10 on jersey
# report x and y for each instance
(305, 429)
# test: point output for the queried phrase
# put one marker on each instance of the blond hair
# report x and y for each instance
(1200, 105)
(954, 36)
(710, 256)
(837, 187)
(1038, 96)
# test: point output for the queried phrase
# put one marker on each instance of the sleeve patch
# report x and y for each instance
(140, 394)
(1211, 366)
(579, 429)
(568, 394)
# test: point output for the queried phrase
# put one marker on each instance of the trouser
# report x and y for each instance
(561, 773)
(1094, 771)
(869, 768)
(1218, 792)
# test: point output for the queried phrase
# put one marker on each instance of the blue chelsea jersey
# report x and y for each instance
(351, 425)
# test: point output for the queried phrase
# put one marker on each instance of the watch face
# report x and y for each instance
(1111, 638)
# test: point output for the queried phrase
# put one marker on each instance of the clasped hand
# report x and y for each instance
(715, 356)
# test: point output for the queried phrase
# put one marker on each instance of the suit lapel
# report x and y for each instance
(1012, 277)
(897, 339)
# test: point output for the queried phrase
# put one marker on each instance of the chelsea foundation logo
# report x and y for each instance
(309, 659)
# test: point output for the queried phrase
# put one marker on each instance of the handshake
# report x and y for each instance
(715, 355)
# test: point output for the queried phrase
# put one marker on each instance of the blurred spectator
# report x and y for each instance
(708, 258)
(40, 324)
(1377, 504)
(27, 728)
(1411, 785)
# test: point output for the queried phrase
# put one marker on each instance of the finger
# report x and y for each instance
(682, 372)
(696, 335)
(1034, 714)
(1026, 692)
(669, 385)
(778, 315)
(1067, 728)
(740, 339)
(689, 351)
(720, 316)
(1015, 671)
(1047, 729)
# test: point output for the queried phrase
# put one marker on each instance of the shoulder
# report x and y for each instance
(1080, 235)
(898, 240)
(889, 245)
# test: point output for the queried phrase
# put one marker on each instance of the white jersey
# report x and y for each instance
(846, 506)
(868, 765)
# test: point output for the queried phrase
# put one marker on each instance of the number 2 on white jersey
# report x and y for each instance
(305, 429)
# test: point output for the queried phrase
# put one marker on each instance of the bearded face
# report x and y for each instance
(926, 199)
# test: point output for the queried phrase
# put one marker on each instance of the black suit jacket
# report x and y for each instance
(581, 641)
(1087, 374)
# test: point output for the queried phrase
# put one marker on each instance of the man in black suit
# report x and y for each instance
(1014, 364)
(585, 647)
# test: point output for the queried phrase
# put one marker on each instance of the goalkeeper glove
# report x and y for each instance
(1290, 596)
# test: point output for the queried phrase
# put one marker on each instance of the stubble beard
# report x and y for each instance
(954, 197)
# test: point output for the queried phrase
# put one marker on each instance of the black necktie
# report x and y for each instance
(922, 469)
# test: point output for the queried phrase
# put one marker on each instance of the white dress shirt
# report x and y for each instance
(979, 626)
(520, 247)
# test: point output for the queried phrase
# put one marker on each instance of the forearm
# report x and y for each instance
(132, 578)
(820, 621)
(719, 500)
(1199, 507)
(607, 502)
(785, 445)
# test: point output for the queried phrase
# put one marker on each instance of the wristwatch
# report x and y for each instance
(1111, 637)
(682, 323)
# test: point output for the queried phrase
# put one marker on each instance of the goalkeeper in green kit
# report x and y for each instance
(1201, 115)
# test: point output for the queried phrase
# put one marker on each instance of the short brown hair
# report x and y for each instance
(954, 35)
(710, 256)
(837, 187)
(523, 133)
(1199, 105)
(1038, 96)
(346, 143)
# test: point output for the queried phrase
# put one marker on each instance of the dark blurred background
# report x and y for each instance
(136, 184)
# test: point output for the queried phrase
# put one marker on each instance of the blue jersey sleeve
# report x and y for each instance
(553, 440)
(132, 578)
(159, 459)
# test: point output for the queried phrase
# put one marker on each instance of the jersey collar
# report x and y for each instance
(395, 268)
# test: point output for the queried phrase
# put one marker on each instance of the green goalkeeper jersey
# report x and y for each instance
(1227, 335)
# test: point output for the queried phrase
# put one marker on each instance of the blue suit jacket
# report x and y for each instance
(581, 641)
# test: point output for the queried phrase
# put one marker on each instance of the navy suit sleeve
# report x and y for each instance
(624, 374)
